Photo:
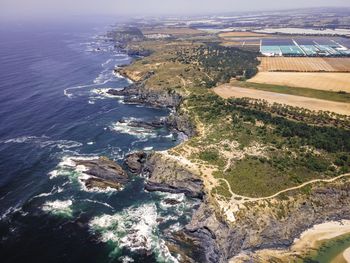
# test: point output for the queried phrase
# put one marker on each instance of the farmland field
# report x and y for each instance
(240, 34)
(173, 31)
(228, 91)
(305, 64)
(319, 81)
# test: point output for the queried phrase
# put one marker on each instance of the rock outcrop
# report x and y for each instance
(263, 227)
(181, 122)
(141, 94)
(104, 173)
(168, 176)
(135, 162)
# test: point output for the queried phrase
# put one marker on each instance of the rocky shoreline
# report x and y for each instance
(212, 238)
(103, 173)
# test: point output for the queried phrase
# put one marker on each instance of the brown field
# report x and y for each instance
(304, 64)
(312, 80)
(228, 91)
(240, 34)
(240, 43)
(173, 31)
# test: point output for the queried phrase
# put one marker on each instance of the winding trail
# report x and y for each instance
(282, 191)
(305, 184)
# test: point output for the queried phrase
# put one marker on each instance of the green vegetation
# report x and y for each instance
(295, 152)
(297, 91)
(257, 147)
(220, 63)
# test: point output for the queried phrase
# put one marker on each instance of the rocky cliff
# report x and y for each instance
(266, 224)
(165, 175)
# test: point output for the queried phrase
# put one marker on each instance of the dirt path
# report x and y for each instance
(242, 199)
(305, 184)
(228, 185)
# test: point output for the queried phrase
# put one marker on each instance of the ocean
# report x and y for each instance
(53, 107)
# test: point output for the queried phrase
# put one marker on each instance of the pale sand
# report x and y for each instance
(308, 240)
(228, 91)
(346, 255)
(329, 230)
(319, 81)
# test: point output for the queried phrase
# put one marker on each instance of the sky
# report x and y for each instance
(33, 8)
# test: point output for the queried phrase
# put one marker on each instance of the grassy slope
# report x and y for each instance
(285, 162)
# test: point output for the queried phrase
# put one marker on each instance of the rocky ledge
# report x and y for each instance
(270, 224)
(165, 175)
(103, 173)
(135, 162)
(139, 94)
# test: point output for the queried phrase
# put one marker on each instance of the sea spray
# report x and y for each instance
(134, 228)
(58, 207)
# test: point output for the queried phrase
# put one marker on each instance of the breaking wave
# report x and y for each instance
(58, 207)
(44, 141)
(134, 228)
(125, 127)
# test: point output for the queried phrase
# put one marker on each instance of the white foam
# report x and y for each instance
(139, 132)
(148, 148)
(53, 174)
(54, 190)
(58, 207)
(134, 228)
(175, 227)
(97, 202)
(68, 167)
(126, 259)
(10, 211)
(45, 141)
(102, 93)
(22, 139)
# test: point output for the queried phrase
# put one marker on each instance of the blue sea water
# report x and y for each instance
(53, 107)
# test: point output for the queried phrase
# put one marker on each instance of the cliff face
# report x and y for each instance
(182, 123)
(167, 176)
(158, 97)
(262, 226)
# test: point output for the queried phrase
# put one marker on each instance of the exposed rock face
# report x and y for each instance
(170, 201)
(105, 173)
(167, 176)
(258, 228)
(140, 94)
(182, 123)
(95, 182)
(135, 162)
(177, 121)
(154, 124)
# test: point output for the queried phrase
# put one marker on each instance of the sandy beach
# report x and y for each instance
(312, 236)
(308, 240)
(346, 255)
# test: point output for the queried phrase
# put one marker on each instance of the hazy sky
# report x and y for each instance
(137, 7)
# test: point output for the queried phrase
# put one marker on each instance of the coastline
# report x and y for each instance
(329, 230)
(311, 240)
(220, 241)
